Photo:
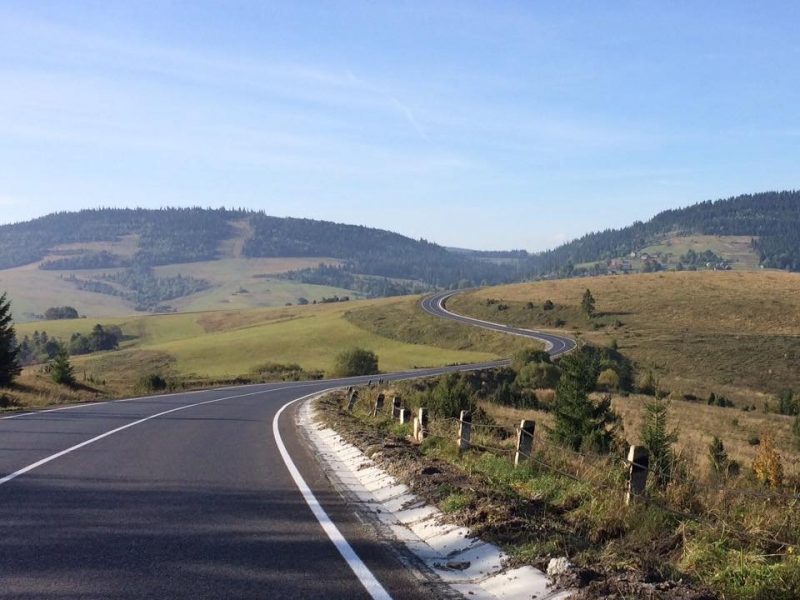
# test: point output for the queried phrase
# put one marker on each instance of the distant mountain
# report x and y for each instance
(181, 235)
(772, 219)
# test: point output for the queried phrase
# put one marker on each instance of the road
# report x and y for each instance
(206, 494)
(555, 344)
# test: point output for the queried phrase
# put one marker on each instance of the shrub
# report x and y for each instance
(647, 384)
(796, 432)
(608, 380)
(753, 440)
(449, 397)
(527, 356)
(151, 382)
(548, 305)
(538, 375)
(356, 361)
(60, 312)
(768, 466)
(717, 456)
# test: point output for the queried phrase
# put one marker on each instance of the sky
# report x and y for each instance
(487, 125)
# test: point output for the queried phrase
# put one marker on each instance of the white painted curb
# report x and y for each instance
(421, 527)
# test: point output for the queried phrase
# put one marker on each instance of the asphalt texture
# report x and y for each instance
(181, 496)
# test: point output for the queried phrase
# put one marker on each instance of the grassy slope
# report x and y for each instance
(737, 333)
(401, 319)
(32, 290)
(226, 344)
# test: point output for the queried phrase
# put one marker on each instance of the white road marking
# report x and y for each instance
(365, 576)
(53, 457)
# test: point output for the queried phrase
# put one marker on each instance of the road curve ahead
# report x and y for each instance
(555, 344)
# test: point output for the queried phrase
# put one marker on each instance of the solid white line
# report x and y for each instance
(365, 576)
(53, 457)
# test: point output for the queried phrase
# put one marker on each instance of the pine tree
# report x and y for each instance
(659, 441)
(9, 366)
(717, 456)
(61, 369)
(580, 423)
(587, 303)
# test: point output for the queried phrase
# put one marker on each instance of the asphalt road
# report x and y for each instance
(555, 344)
(185, 496)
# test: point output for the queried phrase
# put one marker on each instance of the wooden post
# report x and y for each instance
(397, 402)
(464, 430)
(639, 461)
(378, 405)
(352, 402)
(422, 419)
(524, 441)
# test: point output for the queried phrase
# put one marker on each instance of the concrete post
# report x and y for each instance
(405, 415)
(378, 405)
(415, 432)
(464, 430)
(639, 461)
(397, 402)
(352, 402)
(422, 419)
(524, 441)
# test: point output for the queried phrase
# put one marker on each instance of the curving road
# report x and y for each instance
(206, 494)
(555, 344)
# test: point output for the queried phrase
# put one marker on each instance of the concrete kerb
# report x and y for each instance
(444, 551)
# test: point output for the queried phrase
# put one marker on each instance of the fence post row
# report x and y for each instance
(396, 404)
(524, 441)
(639, 461)
(378, 405)
(352, 402)
(464, 430)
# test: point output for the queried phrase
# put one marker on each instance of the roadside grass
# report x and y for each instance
(710, 531)
(402, 319)
(735, 333)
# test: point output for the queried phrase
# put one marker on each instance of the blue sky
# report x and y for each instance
(484, 125)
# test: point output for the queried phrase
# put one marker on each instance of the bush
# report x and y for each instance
(449, 397)
(717, 456)
(151, 382)
(768, 466)
(527, 356)
(548, 305)
(538, 375)
(356, 361)
(647, 384)
(60, 312)
(608, 380)
(753, 440)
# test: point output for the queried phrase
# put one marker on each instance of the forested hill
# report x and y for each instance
(180, 235)
(771, 218)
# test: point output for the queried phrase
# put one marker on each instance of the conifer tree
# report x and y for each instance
(61, 369)
(9, 366)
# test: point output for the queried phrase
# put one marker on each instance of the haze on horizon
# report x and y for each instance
(489, 125)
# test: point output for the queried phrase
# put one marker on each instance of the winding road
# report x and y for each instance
(205, 494)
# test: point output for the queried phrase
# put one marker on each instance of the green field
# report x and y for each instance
(205, 347)
(236, 283)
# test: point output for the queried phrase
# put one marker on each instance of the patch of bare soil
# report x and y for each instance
(492, 513)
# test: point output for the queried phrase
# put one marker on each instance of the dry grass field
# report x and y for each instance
(730, 332)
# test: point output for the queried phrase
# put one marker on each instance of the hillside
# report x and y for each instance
(735, 333)
(203, 348)
(771, 220)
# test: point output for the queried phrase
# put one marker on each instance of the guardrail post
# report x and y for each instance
(464, 430)
(397, 402)
(405, 415)
(352, 402)
(639, 461)
(378, 405)
(421, 425)
(524, 441)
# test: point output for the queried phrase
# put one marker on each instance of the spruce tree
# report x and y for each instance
(9, 367)
(659, 440)
(61, 369)
(587, 303)
(580, 423)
